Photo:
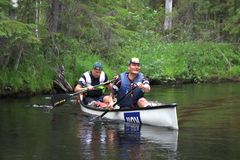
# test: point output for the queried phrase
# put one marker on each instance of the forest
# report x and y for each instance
(177, 41)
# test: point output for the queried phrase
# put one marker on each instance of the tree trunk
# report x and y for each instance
(155, 4)
(60, 84)
(37, 17)
(18, 57)
(6, 61)
(54, 16)
(107, 37)
(168, 15)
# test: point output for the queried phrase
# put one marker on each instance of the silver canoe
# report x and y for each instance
(164, 115)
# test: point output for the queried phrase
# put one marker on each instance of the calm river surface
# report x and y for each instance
(209, 122)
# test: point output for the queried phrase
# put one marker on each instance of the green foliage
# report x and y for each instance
(18, 38)
(33, 75)
(80, 62)
(113, 31)
(26, 11)
(10, 28)
(207, 20)
(182, 61)
(232, 25)
(4, 8)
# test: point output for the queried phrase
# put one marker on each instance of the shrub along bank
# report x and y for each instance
(162, 63)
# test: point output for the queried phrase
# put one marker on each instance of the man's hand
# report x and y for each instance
(144, 87)
(140, 85)
(90, 88)
(110, 106)
(110, 102)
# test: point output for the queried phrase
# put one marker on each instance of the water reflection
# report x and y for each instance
(105, 139)
(208, 116)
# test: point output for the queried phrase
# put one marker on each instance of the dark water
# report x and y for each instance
(209, 122)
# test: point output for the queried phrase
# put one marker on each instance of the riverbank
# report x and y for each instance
(7, 92)
(162, 63)
(193, 51)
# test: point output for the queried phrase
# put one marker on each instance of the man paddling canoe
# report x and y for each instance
(92, 78)
(132, 80)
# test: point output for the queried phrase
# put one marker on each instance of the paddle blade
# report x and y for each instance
(59, 99)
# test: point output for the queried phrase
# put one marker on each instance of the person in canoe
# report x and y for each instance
(94, 96)
(132, 81)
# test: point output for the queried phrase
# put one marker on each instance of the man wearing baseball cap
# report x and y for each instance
(90, 79)
(133, 82)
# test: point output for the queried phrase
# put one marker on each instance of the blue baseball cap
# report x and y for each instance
(98, 65)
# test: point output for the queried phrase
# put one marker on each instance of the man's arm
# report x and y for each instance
(78, 88)
(114, 89)
(144, 85)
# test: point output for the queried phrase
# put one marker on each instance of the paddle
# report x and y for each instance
(129, 92)
(59, 99)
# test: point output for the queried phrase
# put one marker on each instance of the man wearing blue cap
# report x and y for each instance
(90, 79)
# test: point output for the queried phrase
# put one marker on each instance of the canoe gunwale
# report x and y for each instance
(172, 105)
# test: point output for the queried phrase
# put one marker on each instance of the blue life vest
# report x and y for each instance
(126, 85)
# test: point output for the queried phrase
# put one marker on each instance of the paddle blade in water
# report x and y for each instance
(59, 99)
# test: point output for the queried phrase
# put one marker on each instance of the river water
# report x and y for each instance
(209, 128)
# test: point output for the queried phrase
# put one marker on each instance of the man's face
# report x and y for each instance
(96, 72)
(134, 68)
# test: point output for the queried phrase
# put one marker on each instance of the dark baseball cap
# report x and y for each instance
(98, 65)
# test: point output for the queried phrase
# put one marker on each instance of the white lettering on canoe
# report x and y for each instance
(132, 119)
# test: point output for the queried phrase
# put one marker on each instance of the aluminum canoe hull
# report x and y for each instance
(164, 115)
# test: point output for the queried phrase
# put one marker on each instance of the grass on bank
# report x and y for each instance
(199, 61)
(165, 62)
